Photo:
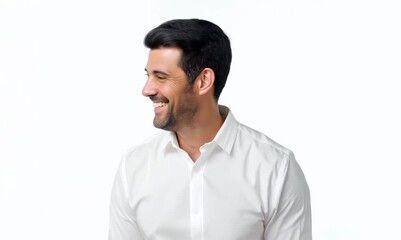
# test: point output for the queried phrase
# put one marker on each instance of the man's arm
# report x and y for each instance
(292, 218)
(121, 226)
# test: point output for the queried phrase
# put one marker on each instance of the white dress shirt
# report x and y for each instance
(243, 186)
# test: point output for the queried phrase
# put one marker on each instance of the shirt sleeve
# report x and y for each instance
(121, 224)
(292, 217)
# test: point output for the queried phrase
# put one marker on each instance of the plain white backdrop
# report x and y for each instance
(321, 77)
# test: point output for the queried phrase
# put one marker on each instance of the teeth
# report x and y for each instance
(158, 104)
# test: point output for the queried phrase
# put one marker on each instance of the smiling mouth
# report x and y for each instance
(159, 104)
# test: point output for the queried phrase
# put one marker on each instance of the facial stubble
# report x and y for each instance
(182, 116)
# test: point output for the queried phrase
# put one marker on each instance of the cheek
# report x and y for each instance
(173, 93)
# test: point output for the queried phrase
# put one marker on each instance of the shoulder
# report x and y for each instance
(261, 151)
(260, 142)
(138, 156)
(276, 161)
(152, 143)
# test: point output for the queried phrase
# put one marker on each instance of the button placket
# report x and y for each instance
(196, 206)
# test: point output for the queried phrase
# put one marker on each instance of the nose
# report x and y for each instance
(149, 89)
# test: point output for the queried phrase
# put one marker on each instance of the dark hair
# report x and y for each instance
(203, 44)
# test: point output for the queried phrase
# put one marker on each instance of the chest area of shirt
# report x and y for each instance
(181, 201)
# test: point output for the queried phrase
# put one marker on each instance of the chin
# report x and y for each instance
(161, 124)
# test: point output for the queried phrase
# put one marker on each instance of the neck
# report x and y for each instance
(207, 121)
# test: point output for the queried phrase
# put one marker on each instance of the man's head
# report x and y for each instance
(203, 45)
(188, 65)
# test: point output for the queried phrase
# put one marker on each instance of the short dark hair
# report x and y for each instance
(203, 44)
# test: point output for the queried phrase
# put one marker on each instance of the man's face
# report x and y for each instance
(167, 86)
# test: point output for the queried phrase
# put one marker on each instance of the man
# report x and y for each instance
(207, 176)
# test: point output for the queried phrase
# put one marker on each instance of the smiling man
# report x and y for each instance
(206, 176)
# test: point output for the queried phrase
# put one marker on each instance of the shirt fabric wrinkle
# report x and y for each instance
(233, 190)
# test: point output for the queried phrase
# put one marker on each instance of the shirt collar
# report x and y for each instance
(225, 137)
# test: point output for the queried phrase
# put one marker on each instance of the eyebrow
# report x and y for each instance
(158, 72)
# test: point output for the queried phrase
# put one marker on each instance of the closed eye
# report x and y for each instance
(160, 76)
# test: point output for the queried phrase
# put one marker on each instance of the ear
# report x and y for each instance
(206, 81)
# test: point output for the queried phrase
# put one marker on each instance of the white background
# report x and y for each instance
(320, 77)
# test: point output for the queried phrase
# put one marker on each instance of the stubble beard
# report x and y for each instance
(182, 117)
